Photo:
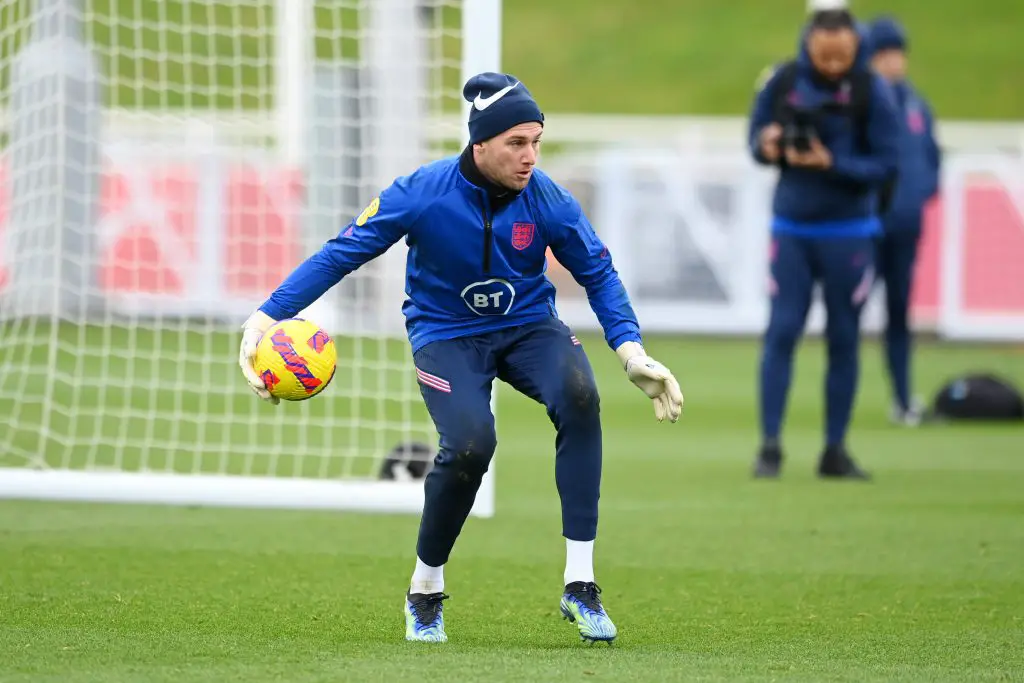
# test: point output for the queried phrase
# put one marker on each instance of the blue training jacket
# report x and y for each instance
(475, 265)
(920, 161)
(842, 201)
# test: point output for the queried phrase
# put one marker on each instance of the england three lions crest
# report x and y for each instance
(522, 235)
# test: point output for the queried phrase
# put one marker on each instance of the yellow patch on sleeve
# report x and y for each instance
(369, 212)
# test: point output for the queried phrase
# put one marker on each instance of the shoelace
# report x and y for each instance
(427, 608)
(587, 593)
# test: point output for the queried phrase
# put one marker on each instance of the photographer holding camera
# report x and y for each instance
(830, 125)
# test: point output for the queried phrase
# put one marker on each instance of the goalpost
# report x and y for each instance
(165, 163)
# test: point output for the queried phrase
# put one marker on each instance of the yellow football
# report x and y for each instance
(296, 359)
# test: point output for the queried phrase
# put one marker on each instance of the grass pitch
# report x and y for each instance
(662, 57)
(709, 575)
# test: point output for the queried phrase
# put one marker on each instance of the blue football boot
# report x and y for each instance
(424, 621)
(581, 605)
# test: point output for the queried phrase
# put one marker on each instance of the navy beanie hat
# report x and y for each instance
(499, 102)
(885, 33)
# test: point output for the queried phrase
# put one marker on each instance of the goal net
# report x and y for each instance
(164, 165)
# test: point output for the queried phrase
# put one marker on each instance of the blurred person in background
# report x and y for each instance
(813, 6)
(919, 164)
(829, 124)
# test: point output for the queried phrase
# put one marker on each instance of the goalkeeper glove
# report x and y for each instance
(654, 379)
(252, 330)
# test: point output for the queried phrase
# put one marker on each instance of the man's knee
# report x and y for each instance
(577, 394)
(471, 448)
(897, 293)
(897, 310)
(784, 330)
(843, 340)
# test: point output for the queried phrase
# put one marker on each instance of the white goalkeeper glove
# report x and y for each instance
(654, 379)
(253, 328)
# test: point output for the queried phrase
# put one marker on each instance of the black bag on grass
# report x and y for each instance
(979, 397)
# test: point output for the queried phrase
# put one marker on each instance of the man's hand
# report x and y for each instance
(253, 328)
(817, 158)
(654, 379)
(768, 141)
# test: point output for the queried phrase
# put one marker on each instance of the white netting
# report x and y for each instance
(165, 164)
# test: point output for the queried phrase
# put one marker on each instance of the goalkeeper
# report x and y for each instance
(479, 307)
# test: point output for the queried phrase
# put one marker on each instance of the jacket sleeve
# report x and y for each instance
(762, 113)
(883, 136)
(381, 224)
(578, 248)
(934, 152)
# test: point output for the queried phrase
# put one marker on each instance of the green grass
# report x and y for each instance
(709, 576)
(704, 56)
(650, 57)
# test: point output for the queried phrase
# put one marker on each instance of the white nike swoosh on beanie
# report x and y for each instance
(482, 103)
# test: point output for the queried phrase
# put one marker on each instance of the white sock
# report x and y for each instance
(426, 579)
(579, 561)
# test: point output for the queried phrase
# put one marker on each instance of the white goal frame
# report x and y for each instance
(481, 51)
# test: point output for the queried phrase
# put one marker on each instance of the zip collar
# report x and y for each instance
(498, 196)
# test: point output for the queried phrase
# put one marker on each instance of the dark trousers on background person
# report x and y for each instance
(896, 255)
(844, 266)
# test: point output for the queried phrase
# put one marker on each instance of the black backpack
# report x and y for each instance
(859, 109)
(979, 397)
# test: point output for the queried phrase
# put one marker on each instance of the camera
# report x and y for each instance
(798, 129)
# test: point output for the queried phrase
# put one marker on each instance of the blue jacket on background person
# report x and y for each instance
(919, 155)
(843, 200)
